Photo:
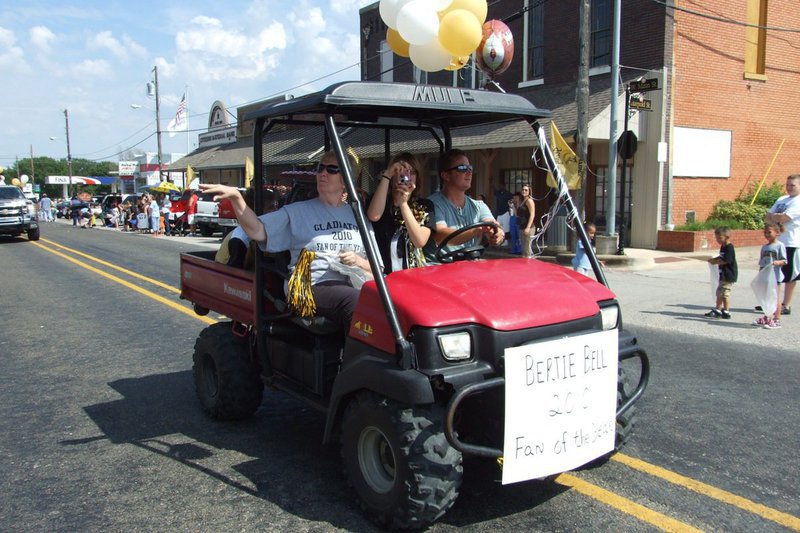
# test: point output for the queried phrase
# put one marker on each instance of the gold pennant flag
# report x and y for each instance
(249, 171)
(566, 160)
(189, 175)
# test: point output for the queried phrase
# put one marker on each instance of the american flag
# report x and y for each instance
(179, 122)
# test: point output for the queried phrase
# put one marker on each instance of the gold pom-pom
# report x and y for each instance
(301, 297)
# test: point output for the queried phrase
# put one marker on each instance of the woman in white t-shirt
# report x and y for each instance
(325, 227)
(786, 212)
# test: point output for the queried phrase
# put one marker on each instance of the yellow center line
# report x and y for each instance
(130, 285)
(625, 505)
(784, 519)
(115, 267)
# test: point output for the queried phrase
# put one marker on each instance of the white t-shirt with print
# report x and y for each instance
(317, 227)
(789, 205)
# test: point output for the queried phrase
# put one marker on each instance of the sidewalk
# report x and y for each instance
(640, 258)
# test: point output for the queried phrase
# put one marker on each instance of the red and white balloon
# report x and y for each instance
(496, 50)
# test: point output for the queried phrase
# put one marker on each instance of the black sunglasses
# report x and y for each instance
(461, 168)
(330, 169)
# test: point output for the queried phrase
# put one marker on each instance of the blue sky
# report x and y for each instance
(95, 59)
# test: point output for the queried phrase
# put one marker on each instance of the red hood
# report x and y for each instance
(502, 294)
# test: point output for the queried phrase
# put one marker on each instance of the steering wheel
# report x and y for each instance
(462, 254)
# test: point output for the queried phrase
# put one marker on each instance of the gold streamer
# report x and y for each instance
(301, 297)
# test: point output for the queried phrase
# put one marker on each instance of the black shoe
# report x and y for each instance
(726, 315)
(713, 314)
(758, 308)
(786, 310)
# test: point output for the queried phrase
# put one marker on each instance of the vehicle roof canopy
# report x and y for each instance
(380, 102)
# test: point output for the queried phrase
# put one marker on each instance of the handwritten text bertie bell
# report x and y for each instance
(563, 366)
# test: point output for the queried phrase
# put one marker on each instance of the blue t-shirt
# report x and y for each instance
(770, 253)
(581, 260)
(451, 216)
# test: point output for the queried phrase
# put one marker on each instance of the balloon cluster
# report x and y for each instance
(19, 182)
(434, 34)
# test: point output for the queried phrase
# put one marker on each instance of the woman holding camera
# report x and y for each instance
(403, 221)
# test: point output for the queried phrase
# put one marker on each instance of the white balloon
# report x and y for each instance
(24, 178)
(389, 9)
(441, 5)
(429, 57)
(418, 22)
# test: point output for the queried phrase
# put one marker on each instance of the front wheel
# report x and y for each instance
(228, 383)
(398, 461)
(34, 234)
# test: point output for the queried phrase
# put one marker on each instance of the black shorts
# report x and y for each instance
(791, 271)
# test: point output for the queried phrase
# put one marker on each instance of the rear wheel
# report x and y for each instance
(205, 230)
(33, 234)
(404, 472)
(227, 381)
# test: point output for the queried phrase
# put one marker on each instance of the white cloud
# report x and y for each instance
(12, 58)
(208, 22)
(42, 37)
(348, 7)
(92, 68)
(105, 40)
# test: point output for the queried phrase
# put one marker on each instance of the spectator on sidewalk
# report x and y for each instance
(728, 273)
(773, 255)
(166, 204)
(786, 212)
(580, 263)
(45, 206)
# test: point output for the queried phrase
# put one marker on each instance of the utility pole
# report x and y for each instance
(582, 101)
(33, 174)
(158, 122)
(611, 176)
(69, 153)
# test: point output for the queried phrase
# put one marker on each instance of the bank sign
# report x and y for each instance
(217, 137)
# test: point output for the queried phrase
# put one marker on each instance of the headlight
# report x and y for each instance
(610, 316)
(456, 346)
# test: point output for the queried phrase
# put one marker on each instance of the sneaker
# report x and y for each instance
(773, 324)
(758, 308)
(786, 310)
(713, 314)
(726, 315)
(761, 321)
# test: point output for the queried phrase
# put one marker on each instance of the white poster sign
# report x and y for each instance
(127, 168)
(561, 403)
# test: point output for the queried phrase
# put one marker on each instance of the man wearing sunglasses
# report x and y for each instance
(324, 225)
(454, 209)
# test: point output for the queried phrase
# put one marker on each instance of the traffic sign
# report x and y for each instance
(642, 105)
(640, 86)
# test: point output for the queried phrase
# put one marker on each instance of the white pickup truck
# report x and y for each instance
(214, 216)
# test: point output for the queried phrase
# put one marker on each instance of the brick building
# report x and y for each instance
(728, 74)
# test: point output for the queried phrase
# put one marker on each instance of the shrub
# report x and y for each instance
(766, 197)
(749, 216)
(710, 224)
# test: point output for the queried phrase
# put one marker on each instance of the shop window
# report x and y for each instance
(755, 49)
(601, 15)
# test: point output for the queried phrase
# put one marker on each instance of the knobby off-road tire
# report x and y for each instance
(398, 461)
(227, 382)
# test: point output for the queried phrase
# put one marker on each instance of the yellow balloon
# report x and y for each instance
(457, 63)
(479, 8)
(460, 32)
(15, 182)
(398, 45)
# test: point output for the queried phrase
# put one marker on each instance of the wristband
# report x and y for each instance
(385, 177)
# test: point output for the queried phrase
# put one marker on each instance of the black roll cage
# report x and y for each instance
(393, 106)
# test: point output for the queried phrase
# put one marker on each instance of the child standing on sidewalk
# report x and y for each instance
(773, 253)
(580, 263)
(728, 273)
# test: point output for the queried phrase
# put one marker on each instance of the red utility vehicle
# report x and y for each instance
(502, 358)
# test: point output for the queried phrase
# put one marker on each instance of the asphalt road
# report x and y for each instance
(102, 430)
